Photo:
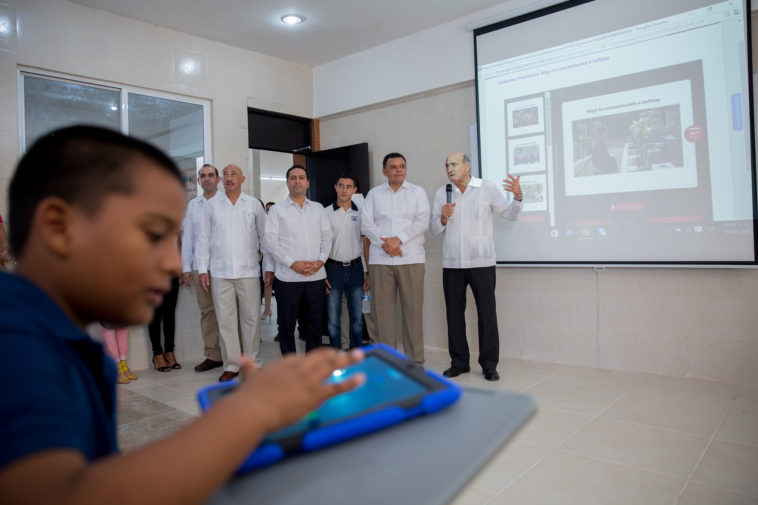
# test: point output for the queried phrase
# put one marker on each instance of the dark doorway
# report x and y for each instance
(324, 167)
(272, 131)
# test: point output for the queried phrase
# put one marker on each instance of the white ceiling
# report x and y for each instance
(333, 28)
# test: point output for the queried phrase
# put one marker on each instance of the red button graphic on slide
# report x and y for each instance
(694, 134)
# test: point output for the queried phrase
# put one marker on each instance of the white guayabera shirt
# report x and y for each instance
(468, 241)
(230, 237)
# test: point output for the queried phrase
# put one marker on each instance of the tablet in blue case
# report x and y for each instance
(395, 390)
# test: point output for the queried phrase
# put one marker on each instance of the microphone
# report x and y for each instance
(449, 191)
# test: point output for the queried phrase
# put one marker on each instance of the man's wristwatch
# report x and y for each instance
(518, 198)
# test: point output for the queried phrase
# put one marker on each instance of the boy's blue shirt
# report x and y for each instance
(58, 385)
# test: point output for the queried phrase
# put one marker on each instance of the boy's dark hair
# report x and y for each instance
(81, 165)
(348, 175)
(392, 155)
(301, 167)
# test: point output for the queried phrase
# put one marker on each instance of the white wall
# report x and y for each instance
(87, 43)
(429, 59)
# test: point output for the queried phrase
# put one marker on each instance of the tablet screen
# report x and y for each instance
(385, 385)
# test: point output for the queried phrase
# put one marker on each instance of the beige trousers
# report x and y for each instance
(406, 282)
(208, 323)
(228, 295)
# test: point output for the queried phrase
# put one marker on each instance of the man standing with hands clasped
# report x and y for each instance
(394, 218)
(299, 238)
(227, 245)
(463, 211)
(344, 268)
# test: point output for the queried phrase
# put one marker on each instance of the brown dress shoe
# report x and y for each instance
(227, 376)
(208, 364)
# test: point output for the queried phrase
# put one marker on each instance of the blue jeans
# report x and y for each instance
(347, 280)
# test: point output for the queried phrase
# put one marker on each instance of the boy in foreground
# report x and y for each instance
(94, 218)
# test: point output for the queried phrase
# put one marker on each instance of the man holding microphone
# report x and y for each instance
(463, 210)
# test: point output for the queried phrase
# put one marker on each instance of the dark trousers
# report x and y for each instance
(164, 312)
(291, 297)
(482, 282)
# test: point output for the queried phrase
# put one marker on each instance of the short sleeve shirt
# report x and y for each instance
(58, 384)
(346, 232)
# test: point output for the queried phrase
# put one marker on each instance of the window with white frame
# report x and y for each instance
(178, 125)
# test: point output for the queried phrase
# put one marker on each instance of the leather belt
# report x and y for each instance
(344, 263)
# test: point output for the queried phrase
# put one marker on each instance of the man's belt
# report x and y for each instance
(344, 263)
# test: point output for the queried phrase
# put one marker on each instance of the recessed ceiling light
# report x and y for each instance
(292, 19)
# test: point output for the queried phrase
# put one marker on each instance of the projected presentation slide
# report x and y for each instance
(629, 141)
(628, 123)
(526, 154)
(525, 116)
(534, 192)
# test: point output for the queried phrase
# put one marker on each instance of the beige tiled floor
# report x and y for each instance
(598, 437)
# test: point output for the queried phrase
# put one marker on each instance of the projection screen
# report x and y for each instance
(630, 127)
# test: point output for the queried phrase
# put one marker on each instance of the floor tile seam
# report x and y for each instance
(546, 377)
(660, 428)
(622, 464)
(138, 384)
(194, 415)
(478, 488)
(597, 414)
(590, 420)
(667, 396)
(589, 389)
(734, 491)
(549, 452)
(143, 418)
(704, 451)
(154, 400)
(745, 444)
(174, 390)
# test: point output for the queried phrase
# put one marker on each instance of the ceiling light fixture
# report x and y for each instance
(292, 19)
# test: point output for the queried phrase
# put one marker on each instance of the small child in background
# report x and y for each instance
(116, 341)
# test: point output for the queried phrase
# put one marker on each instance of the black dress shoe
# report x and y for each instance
(227, 376)
(455, 372)
(491, 375)
(208, 364)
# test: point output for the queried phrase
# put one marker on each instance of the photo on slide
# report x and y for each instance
(647, 139)
(534, 192)
(526, 154)
(525, 116)
(629, 141)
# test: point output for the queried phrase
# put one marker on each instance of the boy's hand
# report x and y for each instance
(284, 391)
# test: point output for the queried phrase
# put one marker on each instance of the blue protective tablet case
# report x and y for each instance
(319, 437)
